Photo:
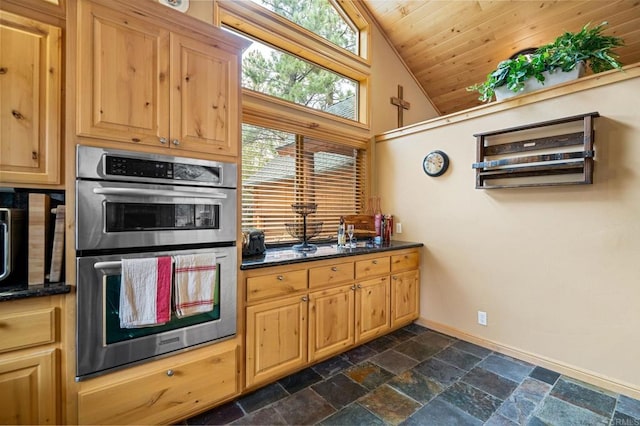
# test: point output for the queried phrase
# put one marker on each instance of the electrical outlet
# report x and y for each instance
(398, 228)
(482, 318)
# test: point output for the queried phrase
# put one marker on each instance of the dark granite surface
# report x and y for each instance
(286, 255)
(23, 291)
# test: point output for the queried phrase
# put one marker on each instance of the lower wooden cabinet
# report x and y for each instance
(28, 387)
(405, 302)
(331, 321)
(276, 338)
(372, 308)
(298, 316)
(164, 391)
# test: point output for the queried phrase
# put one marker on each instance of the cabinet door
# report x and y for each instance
(276, 338)
(331, 321)
(404, 297)
(28, 388)
(123, 77)
(372, 308)
(30, 92)
(204, 97)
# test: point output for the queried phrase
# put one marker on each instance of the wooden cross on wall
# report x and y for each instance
(401, 104)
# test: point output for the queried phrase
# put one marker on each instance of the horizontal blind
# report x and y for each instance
(280, 169)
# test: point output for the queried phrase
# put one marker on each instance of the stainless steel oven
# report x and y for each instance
(131, 205)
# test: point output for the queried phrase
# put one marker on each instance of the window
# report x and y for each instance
(322, 17)
(275, 73)
(281, 168)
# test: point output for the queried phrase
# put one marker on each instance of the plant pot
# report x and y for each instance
(552, 78)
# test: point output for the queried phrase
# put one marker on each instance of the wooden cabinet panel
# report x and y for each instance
(163, 394)
(406, 261)
(30, 100)
(24, 329)
(332, 274)
(141, 83)
(276, 338)
(331, 321)
(28, 390)
(372, 308)
(273, 285)
(405, 297)
(123, 77)
(204, 97)
(372, 267)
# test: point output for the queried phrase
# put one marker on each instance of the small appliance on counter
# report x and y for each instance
(253, 242)
(11, 237)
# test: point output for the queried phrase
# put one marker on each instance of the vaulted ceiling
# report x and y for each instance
(450, 45)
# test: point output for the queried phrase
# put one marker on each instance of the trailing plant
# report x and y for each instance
(588, 45)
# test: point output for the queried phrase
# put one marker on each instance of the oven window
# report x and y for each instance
(113, 332)
(127, 217)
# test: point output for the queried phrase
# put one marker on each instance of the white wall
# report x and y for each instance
(557, 269)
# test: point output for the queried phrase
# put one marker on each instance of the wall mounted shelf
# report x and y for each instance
(538, 154)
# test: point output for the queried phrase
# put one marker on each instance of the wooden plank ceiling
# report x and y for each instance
(450, 45)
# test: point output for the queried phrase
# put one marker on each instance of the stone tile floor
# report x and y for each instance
(416, 376)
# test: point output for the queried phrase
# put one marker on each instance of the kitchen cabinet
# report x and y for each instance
(29, 362)
(144, 83)
(162, 391)
(276, 338)
(30, 100)
(298, 315)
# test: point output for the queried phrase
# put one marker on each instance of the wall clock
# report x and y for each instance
(181, 5)
(435, 163)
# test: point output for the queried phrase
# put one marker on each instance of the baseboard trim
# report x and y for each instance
(561, 367)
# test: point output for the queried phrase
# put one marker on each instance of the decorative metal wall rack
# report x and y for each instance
(525, 160)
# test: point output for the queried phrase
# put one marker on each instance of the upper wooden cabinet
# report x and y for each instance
(140, 82)
(30, 100)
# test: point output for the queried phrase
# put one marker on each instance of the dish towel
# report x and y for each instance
(145, 292)
(194, 283)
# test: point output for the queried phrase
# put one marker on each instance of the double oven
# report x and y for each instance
(135, 205)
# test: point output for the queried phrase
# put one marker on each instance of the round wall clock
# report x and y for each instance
(435, 163)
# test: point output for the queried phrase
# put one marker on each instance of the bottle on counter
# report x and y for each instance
(378, 222)
(342, 237)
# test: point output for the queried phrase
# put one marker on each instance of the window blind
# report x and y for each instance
(280, 169)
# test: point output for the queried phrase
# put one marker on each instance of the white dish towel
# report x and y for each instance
(145, 292)
(195, 283)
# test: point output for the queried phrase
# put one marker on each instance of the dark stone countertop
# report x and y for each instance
(23, 291)
(286, 255)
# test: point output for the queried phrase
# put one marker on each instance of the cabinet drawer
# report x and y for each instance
(332, 274)
(162, 395)
(401, 262)
(26, 329)
(372, 267)
(276, 284)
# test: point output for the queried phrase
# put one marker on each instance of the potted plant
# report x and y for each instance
(568, 53)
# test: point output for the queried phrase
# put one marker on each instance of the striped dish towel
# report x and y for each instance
(194, 283)
(145, 292)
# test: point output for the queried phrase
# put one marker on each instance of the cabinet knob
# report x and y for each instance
(280, 278)
(353, 287)
(163, 140)
(395, 277)
(359, 286)
(175, 142)
(3, 70)
(169, 373)
(334, 269)
(375, 262)
(305, 299)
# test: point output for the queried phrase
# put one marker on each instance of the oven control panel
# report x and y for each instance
(122, 166)
(154, 169)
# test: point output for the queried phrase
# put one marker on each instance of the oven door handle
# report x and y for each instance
(117, 264)
(157, 192)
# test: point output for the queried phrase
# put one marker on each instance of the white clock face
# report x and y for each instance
(435, 163)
